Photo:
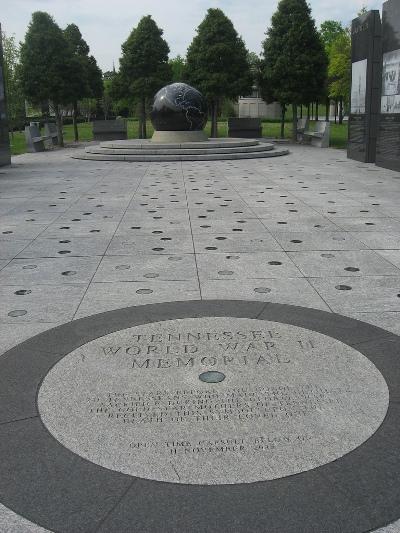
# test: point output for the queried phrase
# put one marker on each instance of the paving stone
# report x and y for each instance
(373, 293)
(166, 243)
(9, 248)
(10, 522)
(146, 267)
(232, 266)
(102, 297)
(65, 245)
(293, 291)
(217, 243)
(378, 240)
(49, 271)
(39, 303)
(300, 241)
(343, 263)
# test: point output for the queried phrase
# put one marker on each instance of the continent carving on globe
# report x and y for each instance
(179, 107)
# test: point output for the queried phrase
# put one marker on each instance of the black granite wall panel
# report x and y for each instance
(388, 145)
(366, 34)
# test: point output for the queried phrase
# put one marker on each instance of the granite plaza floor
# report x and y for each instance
(79, 238)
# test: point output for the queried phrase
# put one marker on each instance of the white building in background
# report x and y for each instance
(255, 107)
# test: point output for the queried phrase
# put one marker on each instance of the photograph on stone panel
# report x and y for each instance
(390, 100)
(358, 86)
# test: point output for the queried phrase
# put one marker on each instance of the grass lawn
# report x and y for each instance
(270, 129)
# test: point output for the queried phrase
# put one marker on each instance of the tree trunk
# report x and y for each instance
(335, 111)
(74, 118)
(294, 123)
(283, 112)
(59, 125)
(312, 110)
(340, 110)
(327, 103)
(301, 111)
(214, 116)
(308, 111)
(316, 111)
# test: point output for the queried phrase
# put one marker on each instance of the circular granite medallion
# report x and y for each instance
(203, 416)
(286, 400)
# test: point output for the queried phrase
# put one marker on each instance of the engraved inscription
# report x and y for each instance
(291, 400)
(190, 406)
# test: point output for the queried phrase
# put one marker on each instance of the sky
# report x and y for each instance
(105, 24)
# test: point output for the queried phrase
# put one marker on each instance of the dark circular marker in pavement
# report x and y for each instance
(17, 312)
(62, 252)
(212, 376)
(262, 290)
(274, 262)
(343, 287)
(29, 267)
(296, 241)
(22, 292)
(352, 269)
(69, 273)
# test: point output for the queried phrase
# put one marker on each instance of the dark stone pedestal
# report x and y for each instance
(365, 86)
(388, 145)
(5, 154)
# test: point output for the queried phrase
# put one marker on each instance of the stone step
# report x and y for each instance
(147, 144)
(179, 157)
(179, 151)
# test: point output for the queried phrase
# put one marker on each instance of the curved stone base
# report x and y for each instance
(209, 150)
(179, 136)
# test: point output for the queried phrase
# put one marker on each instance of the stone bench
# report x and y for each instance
(50, 131)
(244, 127)
(319, 136)
(302, 126)
(35, 141)
(110, 130)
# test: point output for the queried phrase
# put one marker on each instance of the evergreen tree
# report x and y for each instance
(144, 67)
(86, 81)
(47, 65)
(217, 62)
(295, 62)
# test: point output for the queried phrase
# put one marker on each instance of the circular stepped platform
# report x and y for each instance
(213, 149)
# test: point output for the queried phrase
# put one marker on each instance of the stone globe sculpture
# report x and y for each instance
(179, 114)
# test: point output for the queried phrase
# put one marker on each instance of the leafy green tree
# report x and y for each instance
(217, 62)
(177, 65)
(295, 62)
(339, 70)
(47, 65)
(144, 67)
(329, 31)
(15, 97)
(86, 81)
